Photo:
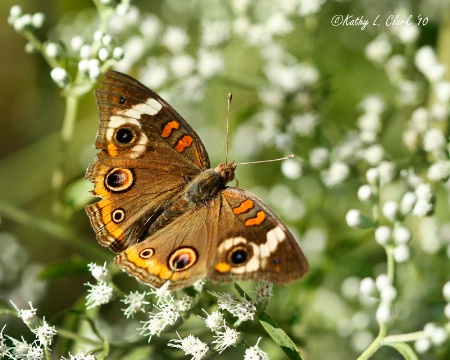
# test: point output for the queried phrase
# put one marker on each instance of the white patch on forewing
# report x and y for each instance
(150, 107)
(260, 252)
(140, 147)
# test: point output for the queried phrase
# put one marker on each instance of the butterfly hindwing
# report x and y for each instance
(253, 243)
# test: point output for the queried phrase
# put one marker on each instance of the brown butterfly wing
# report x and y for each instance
(253, 243)
(224, 239)
(138, 127)
(148, 154)
(179, 253)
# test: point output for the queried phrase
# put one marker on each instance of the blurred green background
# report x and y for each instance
(32, 111)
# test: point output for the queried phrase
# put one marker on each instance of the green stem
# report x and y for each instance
(53, 229)
(73, 336)
(72, 103)
(381, 338)
(376, 344)
(414, 336)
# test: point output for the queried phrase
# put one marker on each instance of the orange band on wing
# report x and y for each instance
(169, 127)
(223, 267)
(113, 150)
(258, 219)
(243, 207)
(183, 143)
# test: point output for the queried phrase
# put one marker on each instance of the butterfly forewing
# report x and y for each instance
(138, 126)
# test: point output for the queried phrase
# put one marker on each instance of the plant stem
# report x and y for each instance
(376, 344)
(53, 229)
(58, 179)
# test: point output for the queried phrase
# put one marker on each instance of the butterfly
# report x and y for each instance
(168, 215)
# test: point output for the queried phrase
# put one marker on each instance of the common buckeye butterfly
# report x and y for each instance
(165, 212)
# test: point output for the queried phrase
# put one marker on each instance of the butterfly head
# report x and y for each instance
(226, 171)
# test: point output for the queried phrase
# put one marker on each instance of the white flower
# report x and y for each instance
(76, 43)
(186, 303)
(271, 96)
(422, 208)
(367, 287)
(370, 121)
(436, 334)
(402, 235)
(3, 348)
(447, 311)
(99, 294)
(199, 285)
(244, 310)
(434, 140)
(383, 235)
(407, 203)
(182, 65)
(446, 291)
(175, 39)
(318, 157)
(291, 168)
(136, 303)
(305, 124)
(226, 338)
(422, 345)
(210, 63)
(263, 291)
(353, 218)
(365, 194)
(387, 171)
(426, 61)
(442, 91)
(167, 316)
(53, 50)
(60, 76)
(154, 74)
(45, 334)
(337, 173)
(390, 210)
(80, 355)
(150, 27)
(378, 49)
(420, 119)
(439, 171)
(423, 192)
(383, 313)
(118, 53)
(214, 33)
(214, 321)
(103, 54)
(99, 272)
(395, 67)
(407, 34)
(308, 7)
(408, 92)
(191, 345)
(290, 77)
(278, 24)
(255, 353)
(153, 327)
(373, 176)
(28, 316)
(374, 154)
(401, 253)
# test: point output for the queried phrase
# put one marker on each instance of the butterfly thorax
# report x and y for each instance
(209, 183)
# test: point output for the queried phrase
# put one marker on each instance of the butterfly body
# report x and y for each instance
(165, 212)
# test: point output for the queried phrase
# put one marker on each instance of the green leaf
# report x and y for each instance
(60, 269)
(279, 336)
(405, 350)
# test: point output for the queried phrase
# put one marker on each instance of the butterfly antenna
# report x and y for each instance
(266, 161)
(230, 97)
